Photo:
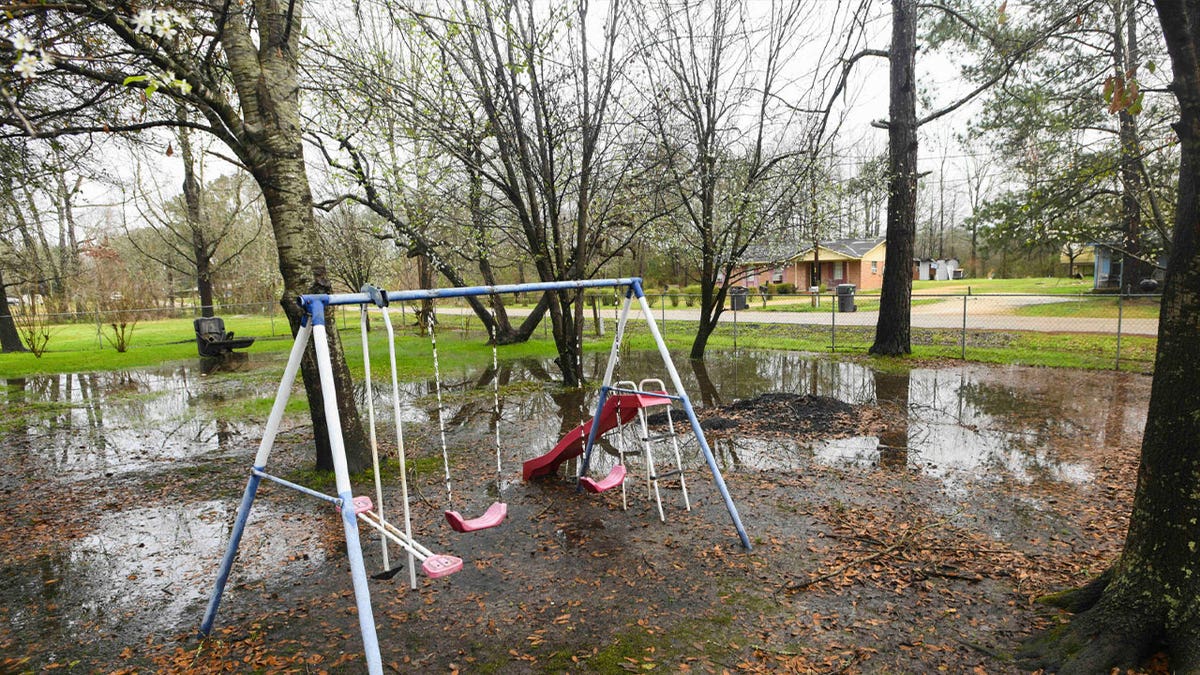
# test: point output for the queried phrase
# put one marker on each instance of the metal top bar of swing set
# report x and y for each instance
(331, 299)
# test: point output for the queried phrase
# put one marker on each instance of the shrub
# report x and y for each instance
(785, 289)
(674, 298)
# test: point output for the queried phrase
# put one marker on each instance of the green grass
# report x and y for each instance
(1098, 307)
(74, 348)
(1032, 285)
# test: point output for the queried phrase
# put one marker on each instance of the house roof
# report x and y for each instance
(837, 249)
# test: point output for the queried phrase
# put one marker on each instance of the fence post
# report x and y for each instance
(735, 327)
(99, 331)
(1120, 312)
(833, 324)
(964, 329)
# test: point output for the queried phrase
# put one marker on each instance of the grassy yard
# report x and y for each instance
(1033, 286)
(1099, 307)
(75, 348)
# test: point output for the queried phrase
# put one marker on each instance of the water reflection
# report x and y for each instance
(957, 423)
(154, 561)
(945, 422)
(84, 425)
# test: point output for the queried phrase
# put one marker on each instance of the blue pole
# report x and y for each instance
(311, 301)
(591, 440)
(691, 413)
(239, 526)
(260, 462)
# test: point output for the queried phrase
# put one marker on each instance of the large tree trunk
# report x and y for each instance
(10, 339)
(1150, 598)
(267, 79)
(289, 203)
(893, 331)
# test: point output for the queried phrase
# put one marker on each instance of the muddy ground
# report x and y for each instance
(870, 556)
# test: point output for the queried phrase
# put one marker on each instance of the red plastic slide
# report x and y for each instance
(572, 444)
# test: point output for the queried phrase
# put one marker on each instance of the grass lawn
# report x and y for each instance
(75, 348)
(1032, 285)
(1099, 307)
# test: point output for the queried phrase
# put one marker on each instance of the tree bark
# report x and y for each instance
(1151, 599)
(201, 252)
(267, 80)
(1126, 57)
(10, 339)
(893, 335)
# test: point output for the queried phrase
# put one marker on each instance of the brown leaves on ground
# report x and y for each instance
(779, 414)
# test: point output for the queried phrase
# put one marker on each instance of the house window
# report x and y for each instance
(837, 270)
(874, 267)
(777, 276)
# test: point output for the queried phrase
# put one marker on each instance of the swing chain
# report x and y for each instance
(437, 384)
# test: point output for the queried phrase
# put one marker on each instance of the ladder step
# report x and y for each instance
(668, 474)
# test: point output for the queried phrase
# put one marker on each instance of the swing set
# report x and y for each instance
(618, 405)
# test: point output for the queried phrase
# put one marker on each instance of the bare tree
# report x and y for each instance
(202, 231)
(521, 96)
(726, 137)
(1005, 44)
(236, 66)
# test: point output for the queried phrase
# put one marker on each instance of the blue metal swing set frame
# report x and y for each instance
(313, 329)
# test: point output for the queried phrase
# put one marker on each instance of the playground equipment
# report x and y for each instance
(354, 509)
(495, 513)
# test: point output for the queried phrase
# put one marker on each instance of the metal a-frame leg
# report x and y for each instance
(260, 462)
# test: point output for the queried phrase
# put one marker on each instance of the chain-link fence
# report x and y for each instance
(1092, 331)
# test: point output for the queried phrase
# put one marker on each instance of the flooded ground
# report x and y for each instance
(121, 488)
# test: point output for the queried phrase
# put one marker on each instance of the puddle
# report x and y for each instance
(146, 568)
(149, 567)
(957, 424)
(87, 425)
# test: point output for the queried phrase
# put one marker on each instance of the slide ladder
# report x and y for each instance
(649, 441)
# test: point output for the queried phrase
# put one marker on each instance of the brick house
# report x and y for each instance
(842, 261)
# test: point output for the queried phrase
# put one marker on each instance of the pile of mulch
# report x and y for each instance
(785, 415)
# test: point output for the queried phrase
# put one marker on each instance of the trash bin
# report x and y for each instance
(739, 298)
(845, 298)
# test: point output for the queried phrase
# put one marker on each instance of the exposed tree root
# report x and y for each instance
(1076, 600)
(1095, 641)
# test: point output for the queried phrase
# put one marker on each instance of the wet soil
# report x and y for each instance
(900, 524)
(797, 417)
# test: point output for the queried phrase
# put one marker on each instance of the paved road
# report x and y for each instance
(984, 312)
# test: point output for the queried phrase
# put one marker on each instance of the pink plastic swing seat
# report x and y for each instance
(437, 566)
(612, 480)
(490, 518)
(362, 504)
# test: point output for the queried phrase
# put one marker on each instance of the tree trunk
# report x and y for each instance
(1150, 598)
(567, 335)
(1133, 268)
(266, 79)
(201, 255)
(893, 330)
(712, 306)
(10, 339)
(700, 342)
(289, 203)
